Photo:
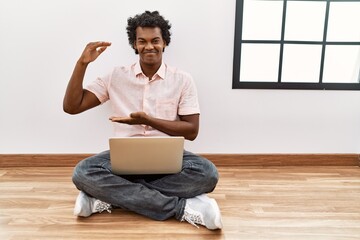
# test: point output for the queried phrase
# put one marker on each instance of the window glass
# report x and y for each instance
(305, 21)
(344, 22)
(262, 20)
(264, 58)
(301, 63)
(342, 64)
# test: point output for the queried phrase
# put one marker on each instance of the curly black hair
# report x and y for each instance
(148, 19)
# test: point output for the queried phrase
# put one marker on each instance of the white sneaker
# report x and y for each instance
(85, 205)
(202, 210)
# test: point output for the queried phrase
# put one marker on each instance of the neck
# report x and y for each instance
(149, 69)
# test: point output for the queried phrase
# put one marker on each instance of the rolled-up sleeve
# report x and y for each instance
(189, 103)
(100, 88)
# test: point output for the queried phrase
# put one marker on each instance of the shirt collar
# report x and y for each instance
(160, 72)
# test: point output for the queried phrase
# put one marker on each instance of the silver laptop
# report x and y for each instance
(146, 155)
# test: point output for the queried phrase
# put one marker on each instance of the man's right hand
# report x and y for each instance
(92, 51)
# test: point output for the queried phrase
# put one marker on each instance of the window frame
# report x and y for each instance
(238, 41)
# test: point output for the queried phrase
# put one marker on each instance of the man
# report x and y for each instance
(149, 98)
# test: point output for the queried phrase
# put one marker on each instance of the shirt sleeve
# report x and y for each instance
(189, 103)
(100, 88)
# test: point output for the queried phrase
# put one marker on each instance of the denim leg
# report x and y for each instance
(158, 197)
(198, 176)
(93, 176)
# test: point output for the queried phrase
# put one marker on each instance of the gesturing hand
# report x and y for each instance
(133, 119)
(93, 50)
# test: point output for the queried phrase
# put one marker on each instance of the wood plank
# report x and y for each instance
(256, 203)
(68, 160)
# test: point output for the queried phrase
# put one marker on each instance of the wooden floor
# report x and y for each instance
(256, 203)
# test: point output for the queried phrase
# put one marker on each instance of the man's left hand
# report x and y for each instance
(133, 119)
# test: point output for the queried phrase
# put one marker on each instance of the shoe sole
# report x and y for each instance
(213, 203)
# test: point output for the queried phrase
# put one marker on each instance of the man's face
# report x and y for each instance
(150, 45)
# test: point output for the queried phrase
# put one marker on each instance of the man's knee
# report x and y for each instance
(213, 175)
(210, 175)
(81, 172)
(78, 174)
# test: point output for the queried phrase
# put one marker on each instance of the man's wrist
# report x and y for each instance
(82, 63)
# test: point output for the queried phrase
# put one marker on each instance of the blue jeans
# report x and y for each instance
(156, 196)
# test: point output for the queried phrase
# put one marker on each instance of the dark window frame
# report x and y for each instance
(238, 41)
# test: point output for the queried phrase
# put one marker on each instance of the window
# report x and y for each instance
(297, 44)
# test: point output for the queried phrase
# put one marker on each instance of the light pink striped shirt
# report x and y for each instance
(171, 92)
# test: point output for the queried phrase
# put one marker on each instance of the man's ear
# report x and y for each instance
(134, 47)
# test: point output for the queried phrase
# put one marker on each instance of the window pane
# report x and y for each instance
(259, 62)
(344, 22)
(262, 20)
(305, 21)
(301, 63)
(342, 64)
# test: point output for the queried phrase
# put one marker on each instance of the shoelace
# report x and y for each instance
(192, 217)
(102, 206)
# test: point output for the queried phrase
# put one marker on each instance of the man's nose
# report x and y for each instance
(149, 45)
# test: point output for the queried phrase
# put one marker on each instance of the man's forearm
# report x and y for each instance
(187, 126)
(74, 90)
(186, 129)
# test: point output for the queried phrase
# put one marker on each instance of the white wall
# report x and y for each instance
(41, 40)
